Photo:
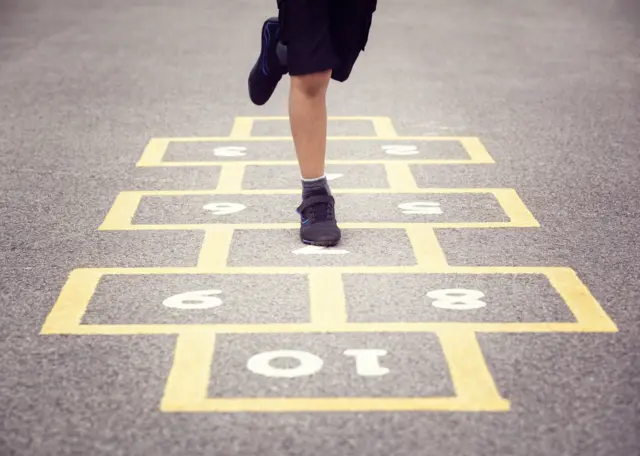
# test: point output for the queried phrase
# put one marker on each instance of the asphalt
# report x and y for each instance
(551, 89)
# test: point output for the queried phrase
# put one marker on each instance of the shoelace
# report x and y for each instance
(317, 208)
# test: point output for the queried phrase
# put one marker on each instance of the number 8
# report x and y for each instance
(457, 299)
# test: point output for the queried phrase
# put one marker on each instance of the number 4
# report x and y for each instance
(421, 207)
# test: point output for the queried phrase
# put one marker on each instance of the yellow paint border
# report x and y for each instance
(154, 151)
(243, 125)
(474, 388)
(66, 315)
(124, 208)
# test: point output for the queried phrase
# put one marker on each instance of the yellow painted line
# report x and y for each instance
(122, 212)
(215, 248)
(327, 298)
(156, 147)
(384, 127)
(294, 225)
(338, 404)
(125, 206)
(68, 310)
(501, 194)
(188, 380)
(426, 247)
(426, 161)
(276, 270)
(154, 152)
(515, 208)
(476, 150)
(270, 118)
(400, 178)
(242, 128)
(306, 328)
(587, 311)
(471, 378)
(471, 142)
(230, 179)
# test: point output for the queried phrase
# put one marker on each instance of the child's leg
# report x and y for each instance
(308, 116)
(305, 30)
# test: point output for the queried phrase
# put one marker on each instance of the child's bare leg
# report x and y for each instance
(308, 117)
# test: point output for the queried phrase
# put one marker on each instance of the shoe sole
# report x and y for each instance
(320, 243)
(265, 37)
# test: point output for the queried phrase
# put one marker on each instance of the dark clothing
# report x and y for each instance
(324, 34)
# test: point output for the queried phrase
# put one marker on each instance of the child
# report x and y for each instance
(313, 41)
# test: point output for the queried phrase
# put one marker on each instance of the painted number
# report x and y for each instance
(401, 150)
(319, 250)
(333, 176)
(229, 151)
(421, 207)
(224, 208)
(194, 300)
(367, 363)
(457, 299)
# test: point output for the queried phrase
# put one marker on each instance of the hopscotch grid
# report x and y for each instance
(68, 311)
(194, 350)
(125, 207)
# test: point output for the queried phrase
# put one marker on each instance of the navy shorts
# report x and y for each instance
(324, 35)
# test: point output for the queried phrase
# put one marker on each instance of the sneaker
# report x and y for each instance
(317, 221)
(267, 71)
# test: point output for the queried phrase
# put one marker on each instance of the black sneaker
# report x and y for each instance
(318, 223)
(267, 71)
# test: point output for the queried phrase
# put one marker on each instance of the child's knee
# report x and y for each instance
(311, 84)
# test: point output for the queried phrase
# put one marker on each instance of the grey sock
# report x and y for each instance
(317, 186)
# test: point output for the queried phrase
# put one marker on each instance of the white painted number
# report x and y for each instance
(229, 151)
(194, 300)
(367, 364)
(308, 364)
(457, 299)
(319, 250)
(421, 207)
(224, 208)
(333, 176)
(401, 150)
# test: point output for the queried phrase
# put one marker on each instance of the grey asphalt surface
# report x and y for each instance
(551, 88)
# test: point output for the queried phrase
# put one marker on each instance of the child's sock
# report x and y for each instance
(317, 186)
